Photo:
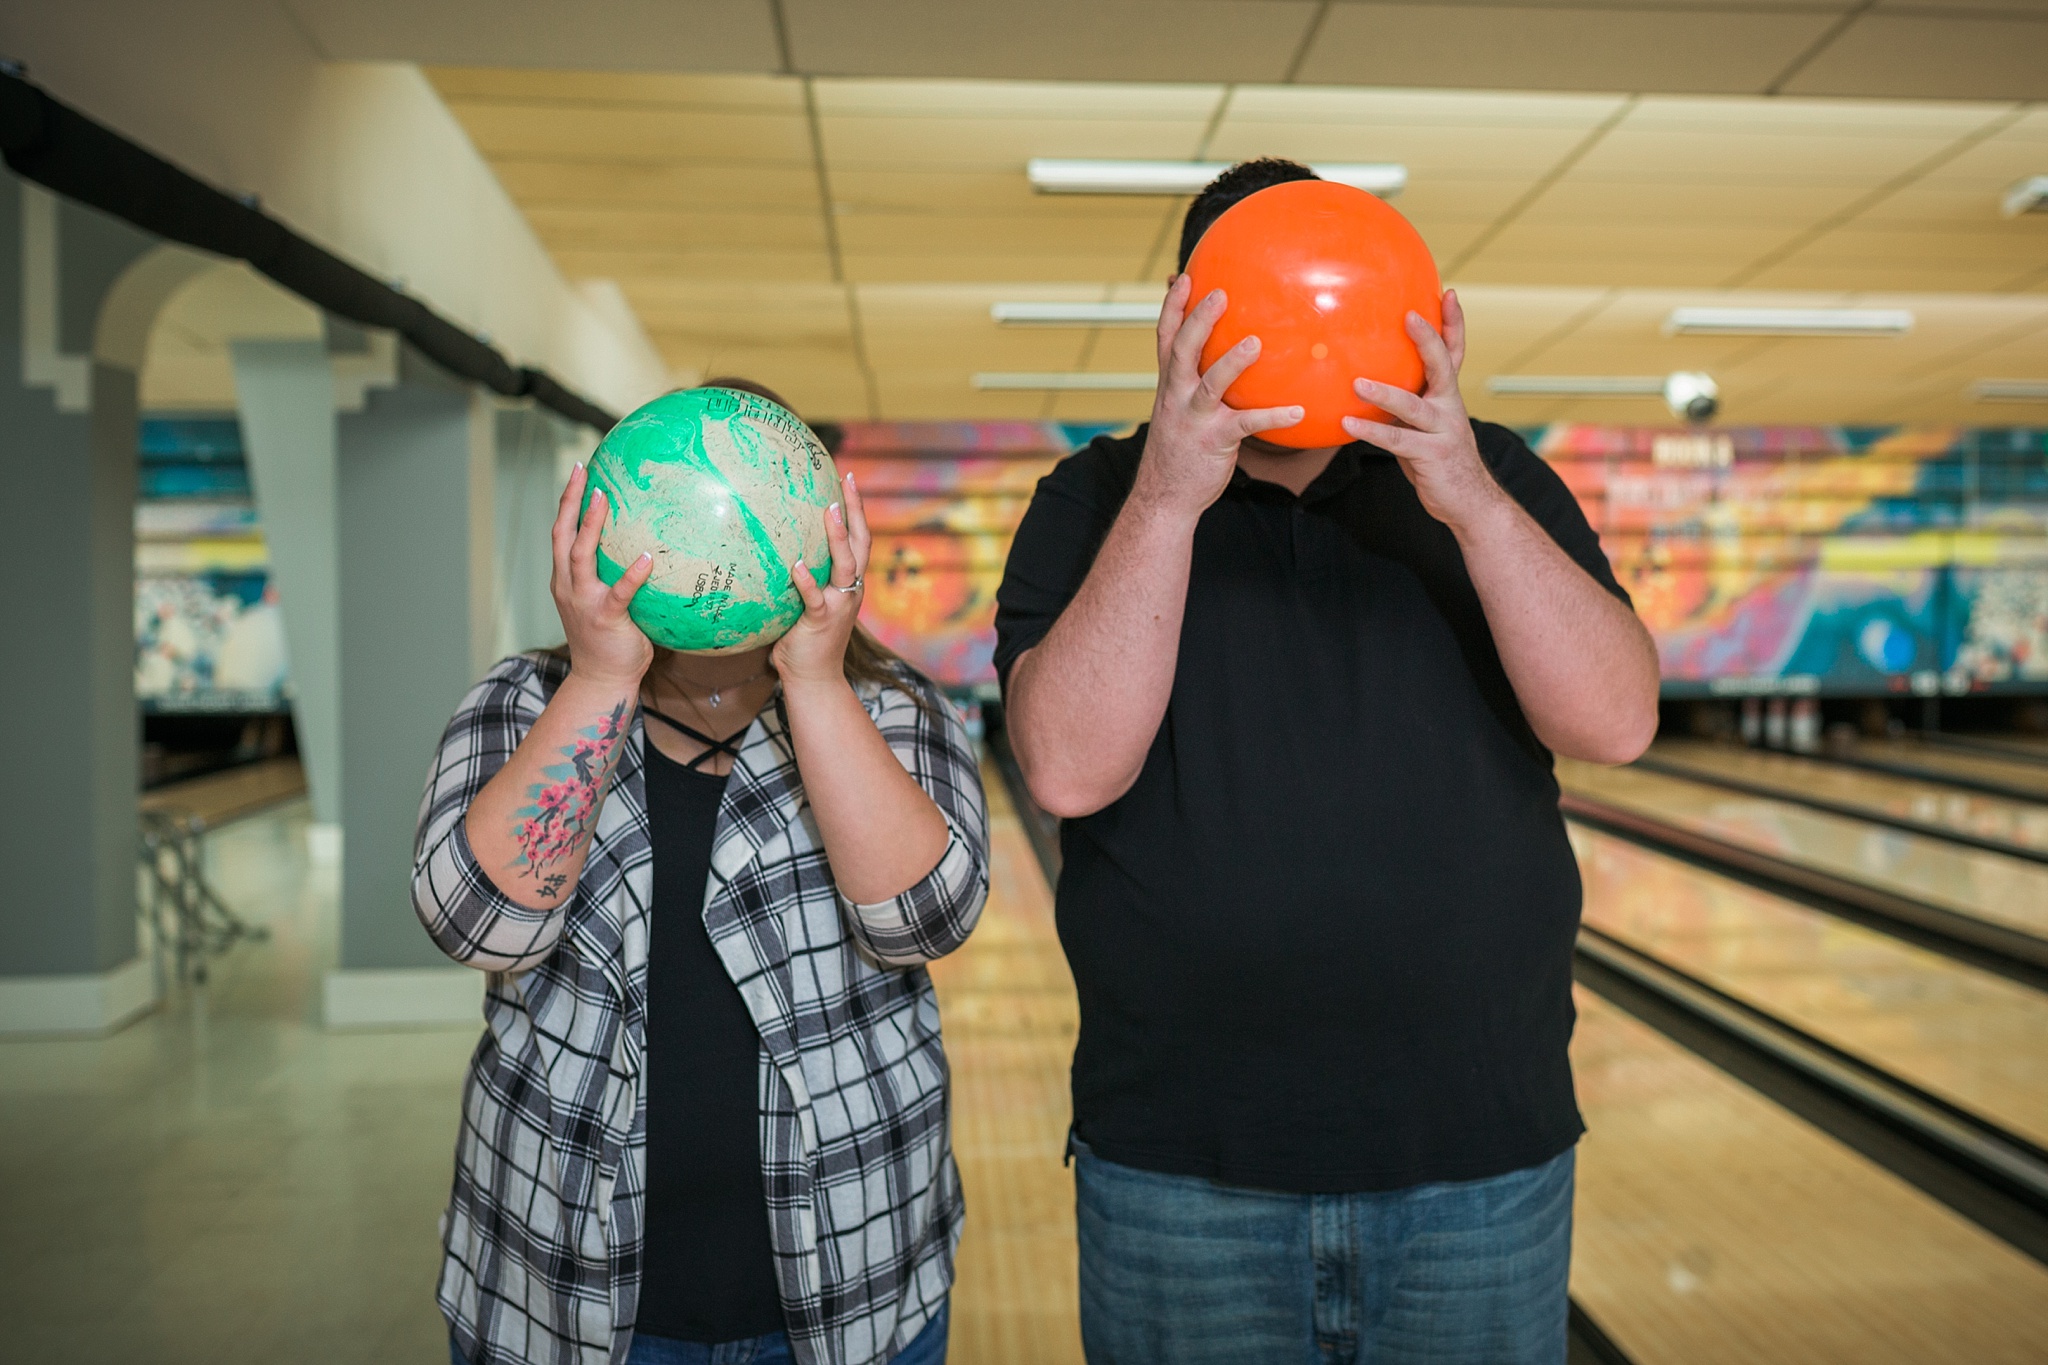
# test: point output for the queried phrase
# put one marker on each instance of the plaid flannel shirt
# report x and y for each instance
(542, 1236)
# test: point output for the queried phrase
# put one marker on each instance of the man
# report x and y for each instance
(1297, 710)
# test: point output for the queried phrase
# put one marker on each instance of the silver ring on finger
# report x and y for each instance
(854, 586)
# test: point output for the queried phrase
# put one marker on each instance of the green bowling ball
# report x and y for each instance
(725, 489)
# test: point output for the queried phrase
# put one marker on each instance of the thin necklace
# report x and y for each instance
(717, 694)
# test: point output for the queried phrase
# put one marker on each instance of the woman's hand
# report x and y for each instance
(604, 644)
(814, 650)
(883, 833)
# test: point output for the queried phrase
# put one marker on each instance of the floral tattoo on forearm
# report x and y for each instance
(564, 808)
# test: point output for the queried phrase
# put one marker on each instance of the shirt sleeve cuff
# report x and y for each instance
(930, 919)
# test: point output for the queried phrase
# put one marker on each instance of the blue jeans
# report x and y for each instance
(928, 1348)
(1183, 1270)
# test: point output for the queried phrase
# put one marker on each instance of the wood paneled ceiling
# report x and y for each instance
(1868, 49)
(843, 237)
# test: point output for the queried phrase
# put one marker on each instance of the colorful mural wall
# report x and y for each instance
(1805, 560)
(208, 634)
(943, 499)
(1825, 560)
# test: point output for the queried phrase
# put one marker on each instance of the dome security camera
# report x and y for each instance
(1692, 395)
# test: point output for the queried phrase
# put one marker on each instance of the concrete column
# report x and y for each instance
(418, 617)
(535, 450)
(68, 730)
(284, 394)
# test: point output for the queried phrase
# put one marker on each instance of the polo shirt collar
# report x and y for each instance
(1343, 469)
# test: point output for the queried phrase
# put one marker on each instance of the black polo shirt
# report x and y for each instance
(1324, 942)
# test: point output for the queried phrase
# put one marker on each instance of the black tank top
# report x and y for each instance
(707, 1271)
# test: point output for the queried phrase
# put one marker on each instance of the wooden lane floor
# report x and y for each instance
(2018, 774)
(1007, 1005)
(217, 798)
(2026, 748)
(1991, 886)
(1972, 1037)
(1714, 1228)
(1711, 1225)
(1972, 814)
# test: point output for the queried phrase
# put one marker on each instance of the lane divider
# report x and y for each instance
(1666, 768)
(1996, 1178)
(2011, 953)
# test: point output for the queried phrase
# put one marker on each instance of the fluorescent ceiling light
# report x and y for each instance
(1075, 314)
(1053, 176)
(1070, 379)
(2010, 391)
(1802, 322)
(1579, 385)
(2028, 196)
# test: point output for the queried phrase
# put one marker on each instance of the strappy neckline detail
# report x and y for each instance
(729, 746)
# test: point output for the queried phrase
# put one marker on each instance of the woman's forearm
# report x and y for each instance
(883, 834)
(530, 826)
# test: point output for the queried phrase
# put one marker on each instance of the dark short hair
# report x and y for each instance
(1245, 178)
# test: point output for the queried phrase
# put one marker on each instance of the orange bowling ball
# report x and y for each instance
(1325, 276)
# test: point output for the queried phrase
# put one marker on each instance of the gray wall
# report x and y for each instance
(67, 579)
(284, 395)
(530, 443)
(414, 516)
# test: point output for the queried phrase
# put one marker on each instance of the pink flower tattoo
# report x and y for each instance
(564, 808)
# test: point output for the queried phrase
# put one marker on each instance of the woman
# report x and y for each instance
(707, 1120)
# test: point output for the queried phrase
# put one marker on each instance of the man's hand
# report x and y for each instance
(1191, 447)
(1432, 437)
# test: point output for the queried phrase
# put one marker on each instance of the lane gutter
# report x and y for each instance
(1987, 748)
(1994, 1177)
(1982, 786)
(2008, 952)
(1667, 768)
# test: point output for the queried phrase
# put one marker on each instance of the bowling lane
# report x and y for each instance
(2019, 774)
(1714, 1228)
(1976, 1039)
(1991, 886)
(1007, 1004)
(2024, 748)
(2021, 823)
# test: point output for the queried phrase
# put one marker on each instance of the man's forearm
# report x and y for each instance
(1087, 700)
(1582, 666)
